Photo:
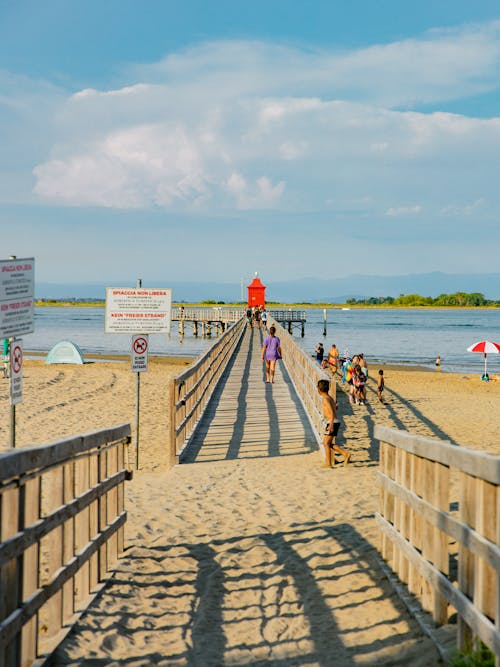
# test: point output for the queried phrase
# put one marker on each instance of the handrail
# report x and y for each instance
(62, 529)
(191, 390)
(305, 373)
(214, 314)
(420, 534)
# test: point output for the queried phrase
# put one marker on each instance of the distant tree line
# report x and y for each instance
(457, 299)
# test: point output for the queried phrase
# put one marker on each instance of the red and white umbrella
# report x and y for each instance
(486, 347)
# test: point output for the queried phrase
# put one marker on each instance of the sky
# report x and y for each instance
(192, 140)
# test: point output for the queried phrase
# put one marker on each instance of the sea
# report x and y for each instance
(412, 337)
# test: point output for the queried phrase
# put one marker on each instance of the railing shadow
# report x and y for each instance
(231, 609)
(367, 416)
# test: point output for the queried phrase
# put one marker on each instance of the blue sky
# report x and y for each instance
(179, 141)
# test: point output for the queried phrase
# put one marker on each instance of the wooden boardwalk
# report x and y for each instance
(249, 418)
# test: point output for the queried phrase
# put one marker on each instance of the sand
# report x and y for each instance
(249, 562)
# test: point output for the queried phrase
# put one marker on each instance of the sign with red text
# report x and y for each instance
(138, 310)
(17, 292)
(16, 372)
(139, 353)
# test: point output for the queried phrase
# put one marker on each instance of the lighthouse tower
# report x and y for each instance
(256, 292)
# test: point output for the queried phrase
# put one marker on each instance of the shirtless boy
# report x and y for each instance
(329, 412)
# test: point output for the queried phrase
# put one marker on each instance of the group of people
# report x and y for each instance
(257, 316)
(354, 372)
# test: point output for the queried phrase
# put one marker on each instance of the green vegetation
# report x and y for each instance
(459, 299)
(478, 657)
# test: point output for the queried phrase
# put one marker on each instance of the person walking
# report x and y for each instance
(381, 386)
(271, 352)
(333, 358)
(319, 351)
(332, 426)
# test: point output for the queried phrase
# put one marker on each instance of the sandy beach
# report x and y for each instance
(249, 561)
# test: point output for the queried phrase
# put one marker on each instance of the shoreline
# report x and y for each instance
(278, 305)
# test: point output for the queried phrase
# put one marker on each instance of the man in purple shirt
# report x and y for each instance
(271, 352)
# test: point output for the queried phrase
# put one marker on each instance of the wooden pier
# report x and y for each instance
(204, 320)
(290, 318)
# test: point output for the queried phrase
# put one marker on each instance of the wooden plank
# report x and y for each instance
(68, 589)
(82, 536)
(30, 570)
(457, 530)
(22, 461)
(9, 575)
(52, 550)
(13, 547)
(478, 464)
(12, 625)
(481, 625)
(484, 576)
(466, 559)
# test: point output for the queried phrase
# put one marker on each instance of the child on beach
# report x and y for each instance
(332, 426)
(380, 386)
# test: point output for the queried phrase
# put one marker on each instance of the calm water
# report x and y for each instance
(409, 336)
(398, 336)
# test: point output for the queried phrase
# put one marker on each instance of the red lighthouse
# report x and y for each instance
(256, 293)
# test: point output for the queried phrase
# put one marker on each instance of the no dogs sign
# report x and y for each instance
(139, 353)
(16, 372)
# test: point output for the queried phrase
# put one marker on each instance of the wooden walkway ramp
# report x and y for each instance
(249, 418)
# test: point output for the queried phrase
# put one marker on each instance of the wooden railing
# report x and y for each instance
(422, 536)
(284, 315)
(215, 314)
(192, 389)
(305, 372)
(61, 531)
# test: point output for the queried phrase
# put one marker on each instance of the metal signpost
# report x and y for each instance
(138, 311)
(17, 315)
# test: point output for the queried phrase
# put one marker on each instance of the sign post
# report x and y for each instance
(139, 364)
(16, 384)
(138, 311)
(17, 316)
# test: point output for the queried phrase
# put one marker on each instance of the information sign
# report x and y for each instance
(17, 290)
(138, 310)
(16, 372)
(139, 355)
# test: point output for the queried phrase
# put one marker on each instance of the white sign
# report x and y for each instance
(17, 290)
(16, 372)
(139, 355)
(135, 309)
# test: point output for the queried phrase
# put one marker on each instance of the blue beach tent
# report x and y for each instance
(65, 352)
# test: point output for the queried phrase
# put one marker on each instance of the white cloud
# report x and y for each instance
(402, 211)
(232, 124)
(464, 209)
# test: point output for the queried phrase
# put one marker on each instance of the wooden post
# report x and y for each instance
(9, 573)
(465, 557)
(52, 552)
(172, 454)
(30, 569)
(68, 536)
(440, 556)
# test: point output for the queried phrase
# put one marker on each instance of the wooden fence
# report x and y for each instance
(215, 314)
(440, 521)
(305, 372)
(192, 389)
(61, 530)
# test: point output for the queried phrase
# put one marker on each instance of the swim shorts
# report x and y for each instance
(336, 426)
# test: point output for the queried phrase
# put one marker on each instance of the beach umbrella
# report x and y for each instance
(486, 347)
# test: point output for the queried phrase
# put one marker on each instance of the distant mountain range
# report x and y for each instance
(313, 290)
